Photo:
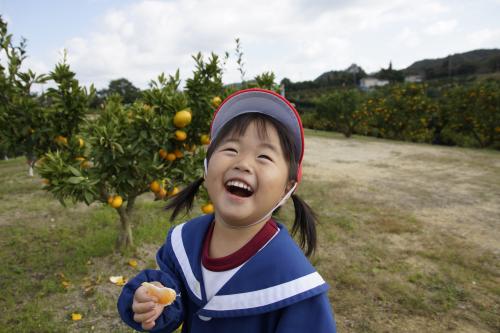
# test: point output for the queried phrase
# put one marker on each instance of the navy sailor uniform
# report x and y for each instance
(276, 290)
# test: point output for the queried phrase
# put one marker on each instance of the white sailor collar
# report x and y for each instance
(277, 276)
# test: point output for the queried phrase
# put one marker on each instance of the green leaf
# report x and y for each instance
(74, 171)
(75, 180)
(88, 197)
(119, 148)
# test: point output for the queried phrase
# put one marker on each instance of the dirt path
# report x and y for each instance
(452, 188)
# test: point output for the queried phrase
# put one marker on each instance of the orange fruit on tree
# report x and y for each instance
(80, 159)
(62, 140)
(171, 157)
(117, 201)
(180, 135)
(86, 164)
(205, 139)
(208, 208)
(182, 118)
(81, 143)
(162, 193)
(216, 101)
(155, 186)
(163, 153)
(178, 153)
(190, 148)
(110, 199)
(174, 191)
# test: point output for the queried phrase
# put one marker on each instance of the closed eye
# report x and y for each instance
(230, 150)
(266, 157)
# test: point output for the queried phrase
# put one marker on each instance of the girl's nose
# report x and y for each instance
(243, 165)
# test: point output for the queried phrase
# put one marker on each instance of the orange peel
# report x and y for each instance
(118, 280)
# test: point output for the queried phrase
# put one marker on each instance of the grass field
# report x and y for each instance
(391, 269)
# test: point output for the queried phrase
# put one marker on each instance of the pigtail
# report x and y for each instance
(184, 199)
(305, 224)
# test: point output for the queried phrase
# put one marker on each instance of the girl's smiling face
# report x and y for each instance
(247, 175)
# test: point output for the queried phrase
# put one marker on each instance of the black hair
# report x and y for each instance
(305, 219)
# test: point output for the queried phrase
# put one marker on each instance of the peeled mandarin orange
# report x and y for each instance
(166, 296)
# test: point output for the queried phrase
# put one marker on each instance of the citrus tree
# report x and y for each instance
(20, 112)
(474, 111)
(153, 145)
(400, 111)
(341, 110)
(33, 125)
(59, 114)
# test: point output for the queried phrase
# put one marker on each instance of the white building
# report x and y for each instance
(413, 78)
(371, 82)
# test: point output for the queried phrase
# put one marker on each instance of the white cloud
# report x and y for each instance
(441, 27)
(484, 38)
(298, 39)
(408, 37)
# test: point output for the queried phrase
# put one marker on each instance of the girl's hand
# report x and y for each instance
(146, 307)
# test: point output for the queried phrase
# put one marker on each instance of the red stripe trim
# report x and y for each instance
(240, 256)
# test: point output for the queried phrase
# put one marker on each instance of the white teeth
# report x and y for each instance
(239, 184)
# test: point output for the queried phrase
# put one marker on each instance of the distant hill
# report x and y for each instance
(468, 63)
(353, 72)
(480, 63)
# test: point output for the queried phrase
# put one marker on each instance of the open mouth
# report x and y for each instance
(239, 188)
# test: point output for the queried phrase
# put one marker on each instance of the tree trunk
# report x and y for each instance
(348, 131)
(30, 170)
(478, 139)
(125, 239)
(31, 164)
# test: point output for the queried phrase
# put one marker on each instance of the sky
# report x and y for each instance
(297, 39)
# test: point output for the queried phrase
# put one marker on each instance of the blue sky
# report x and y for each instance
(298, 39)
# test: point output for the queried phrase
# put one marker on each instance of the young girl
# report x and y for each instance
(238, 270)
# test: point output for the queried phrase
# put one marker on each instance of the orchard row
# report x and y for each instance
(464, 115)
